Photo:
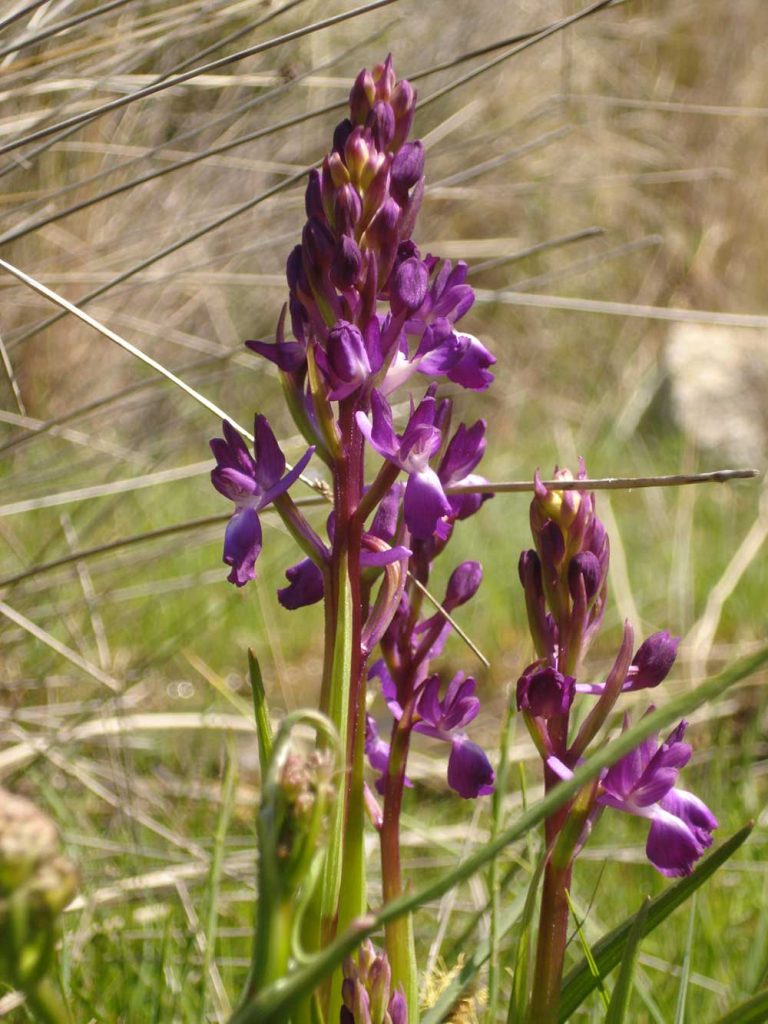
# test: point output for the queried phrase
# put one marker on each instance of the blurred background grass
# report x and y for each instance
(593, 182)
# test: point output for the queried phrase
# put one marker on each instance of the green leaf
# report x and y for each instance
(617, 1008)
(261, 713)
(610, 949)
(754, 1011)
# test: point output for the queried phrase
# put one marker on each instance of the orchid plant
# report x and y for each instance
(374, 335)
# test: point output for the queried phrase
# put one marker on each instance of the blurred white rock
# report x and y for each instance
(719, 384)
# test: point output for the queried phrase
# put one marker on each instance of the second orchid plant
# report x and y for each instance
(374, 325)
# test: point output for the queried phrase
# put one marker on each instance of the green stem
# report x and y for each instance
(398, 933)
(270, 963)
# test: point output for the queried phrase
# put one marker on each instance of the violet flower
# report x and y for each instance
(469, 771)
(425, 501)
(251, 483)
(643, 783)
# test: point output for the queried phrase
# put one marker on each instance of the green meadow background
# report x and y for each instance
(607, 187)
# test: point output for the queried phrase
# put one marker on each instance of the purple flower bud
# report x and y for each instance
(653, 661)
(529, 571)
(382, 235)
(551, 546)
(347, 360)
(398, 1008)
(347, 263)
(384, 77)
(463, 584)
(408, 286)
(407, 169)
(305, 586)
(347, 209)
(362, 96)
(340, 135)
(584, 566)
(381, 121)
(313, 197)
(545, 692)
(403, 104)
(469, 771)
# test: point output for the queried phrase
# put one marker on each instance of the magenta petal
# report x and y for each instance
(233, 484)
(242, 544)
(469, 770)
(471, 371)
(270, 461)
(305, 586)
(691, 810)
(673, 848)
(424, 503)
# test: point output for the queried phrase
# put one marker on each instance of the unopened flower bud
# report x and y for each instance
(362, 96)
(584, 566)
(347, 263)
(357, 153)
(366, 990)
(382, 124)
(408, 286)
(463, 584)
(384, 77)
(545, 692)
(653, 661)
(347, 209)
(407, 169)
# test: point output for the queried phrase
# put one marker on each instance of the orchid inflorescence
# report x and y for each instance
(372, 318)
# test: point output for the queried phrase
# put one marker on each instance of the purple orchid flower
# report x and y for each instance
(643, 783)
(469, 771)
(251, 483)
(425, 501)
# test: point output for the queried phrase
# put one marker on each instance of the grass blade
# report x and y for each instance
(685, 972)
(587, 950)
(617, 1008)
(521, 989)
(261, 712)
(754, 1011)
